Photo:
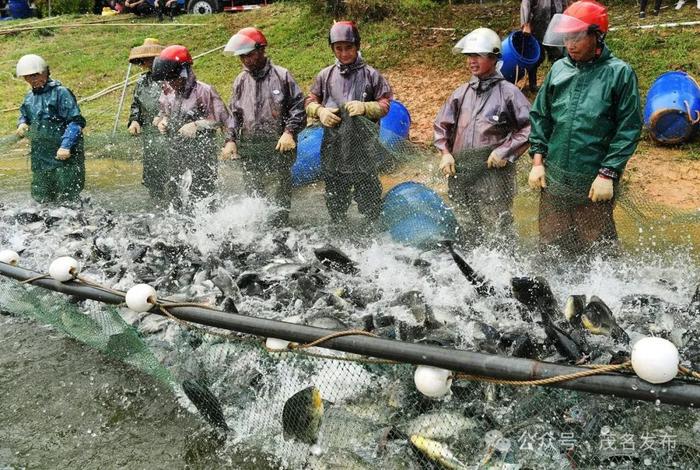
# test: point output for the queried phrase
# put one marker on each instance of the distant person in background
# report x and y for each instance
(657, 7)
(144, 108)
(535, 16)
(50, 117)
(166, 7)
(480, 131)
(266, 105)
(140, 7)
(680, 4)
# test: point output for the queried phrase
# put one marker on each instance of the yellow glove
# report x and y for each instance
(162, 124)
(63, 154)
(327, 116)
(494, 161)
(229, 152)
(355, 108)
(134, 128)
(370, 109)
(286, 143)
(447, 164)
(22, 130)
(189, 130)
(601, 189)
(537, 179)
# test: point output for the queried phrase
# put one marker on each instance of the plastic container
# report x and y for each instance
(672, 110)
(520, 52)
(307, 166)
(394, 127)
(416, 215)
(18, 9)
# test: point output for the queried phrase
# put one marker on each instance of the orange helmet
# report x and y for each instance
(171, 62)
(582, 17)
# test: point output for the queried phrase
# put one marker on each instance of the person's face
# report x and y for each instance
(254, 60)
(37, 80)
(345, 52)
(147, 63)
(581, 47)
(481, 65)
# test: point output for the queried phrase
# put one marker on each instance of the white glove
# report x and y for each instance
(63, 154)
(189, 130)
(601, 189)
(286, 143)
(447, 164)
(162, 124)
(134, 128)
(229, 152)
(22, 130)
(494, 161)
(536, 178)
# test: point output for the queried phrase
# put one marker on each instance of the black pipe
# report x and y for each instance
(676, 392)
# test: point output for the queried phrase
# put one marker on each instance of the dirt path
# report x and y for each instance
(666, 174)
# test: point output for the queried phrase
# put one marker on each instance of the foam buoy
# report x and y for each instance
(655, 360)
(274, 343)
(64, 269)
(9, 257)
(432, 381)
(141, 298)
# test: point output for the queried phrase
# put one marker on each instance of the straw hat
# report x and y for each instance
(150, 49)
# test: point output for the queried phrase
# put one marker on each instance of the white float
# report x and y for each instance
(655, 360)
(141, 298)
(9, 257)
(64, 269)
(432, 381)
(274, 343)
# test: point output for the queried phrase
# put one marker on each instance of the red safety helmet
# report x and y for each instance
(245, 41)
(170, 63)
(582, 17)
(344, 31)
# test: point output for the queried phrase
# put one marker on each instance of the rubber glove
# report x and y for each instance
(286, 143)
(327, 116)
(22, 130)
(371, 109)
(447, 164)
(537, 179)
(229, 152)
(134, 128)
(162, 124)
(601, 189)
(189, 130)
(494, 161)
(63, 154)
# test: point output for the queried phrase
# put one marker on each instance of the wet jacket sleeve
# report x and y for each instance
(69, 111)
(541, 119)
(383, 92)
(525, 9)
(295, 120)
(135, 110)
(628, 117)
(316, 92)
(23, 114)
(517, 141)
(233, 125)
(217, 110)
(445, 123)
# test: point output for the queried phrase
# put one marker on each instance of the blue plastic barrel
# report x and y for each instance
(394, 127)
(416, 215)
(673, 104)
(19, 9)
(307, 166)
(520, 52)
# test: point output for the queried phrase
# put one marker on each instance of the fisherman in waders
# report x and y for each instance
(586, 122)
(362, 91)
(480, 131)
(267, 113)
(144, 108)
(535, 16)
(190, 113)
(50, 117)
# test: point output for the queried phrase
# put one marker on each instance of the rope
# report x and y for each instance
(35, 278)
(99, 286)
(550, 380)
(690, 113)
(689, 372)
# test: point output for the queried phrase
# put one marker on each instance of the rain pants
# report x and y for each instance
(483, 116)
(539, 13)
(347, 174)
(585, 120)
(144, 108)
(54, 120)
(264, 104)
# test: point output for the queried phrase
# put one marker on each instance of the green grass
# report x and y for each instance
(90, 58)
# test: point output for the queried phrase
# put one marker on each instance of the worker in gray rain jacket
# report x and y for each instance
(535, 16)
(362, 91)
(480, 131)
(50, 117)
(144, 108)
(190, 113)
(267, 113)
(586, 122)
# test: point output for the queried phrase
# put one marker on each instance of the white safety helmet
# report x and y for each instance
(479, 41)
(31, 64)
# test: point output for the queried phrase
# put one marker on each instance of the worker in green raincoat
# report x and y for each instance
(50, 117)
(144, 108)
(586, 122)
